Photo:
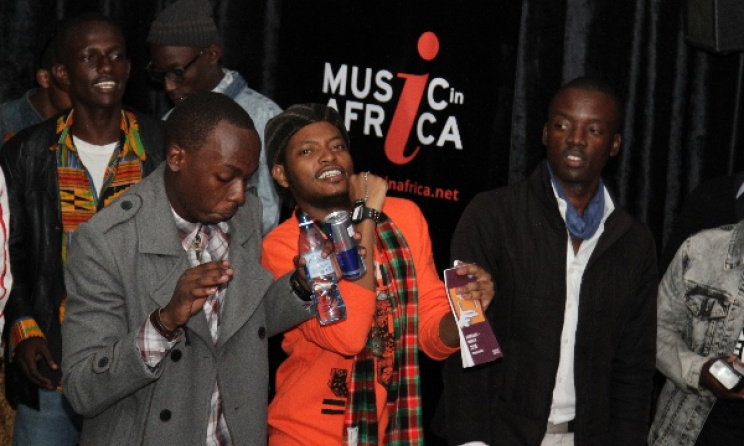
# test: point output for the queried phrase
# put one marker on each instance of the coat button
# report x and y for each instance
(261, 332)
(102, 362)
(126, 205)
(165, 415)
(176, 355)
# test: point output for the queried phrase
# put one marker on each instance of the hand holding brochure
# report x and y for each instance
(478, 344)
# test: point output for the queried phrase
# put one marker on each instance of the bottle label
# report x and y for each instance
(316, 265)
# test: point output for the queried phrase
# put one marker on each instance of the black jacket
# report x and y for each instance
(519, 236)
(35, 241)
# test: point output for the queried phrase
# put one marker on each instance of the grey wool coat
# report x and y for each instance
(123, 264)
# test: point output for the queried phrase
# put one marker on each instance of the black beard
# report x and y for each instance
(340, 201)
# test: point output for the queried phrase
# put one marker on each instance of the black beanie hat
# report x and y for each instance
(281, 127)
(185, 23)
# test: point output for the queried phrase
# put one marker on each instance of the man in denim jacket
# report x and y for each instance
(700, 319)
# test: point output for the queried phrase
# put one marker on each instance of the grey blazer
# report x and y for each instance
(123, 264)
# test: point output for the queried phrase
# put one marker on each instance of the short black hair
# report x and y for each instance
(72, 24)
(191, 122)
(589, 83)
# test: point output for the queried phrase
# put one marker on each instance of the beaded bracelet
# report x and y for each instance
(366, 193)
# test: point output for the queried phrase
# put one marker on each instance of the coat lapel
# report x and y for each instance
(616, 225)
(250, 281)
(166, 259)
(159, 242)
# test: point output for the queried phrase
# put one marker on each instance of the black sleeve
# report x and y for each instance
(465, 398)
(13, 162)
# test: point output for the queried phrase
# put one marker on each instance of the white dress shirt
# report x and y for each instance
(563, 408)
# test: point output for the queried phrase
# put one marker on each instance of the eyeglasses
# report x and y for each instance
(175, 75)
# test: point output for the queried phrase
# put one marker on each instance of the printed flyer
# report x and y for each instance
(478, 343)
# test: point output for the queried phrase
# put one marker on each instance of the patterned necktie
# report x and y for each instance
(211, 244)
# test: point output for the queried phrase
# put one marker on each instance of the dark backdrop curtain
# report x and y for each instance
(679, 115)
(680, 101)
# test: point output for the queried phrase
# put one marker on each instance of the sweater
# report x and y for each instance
(309, 405)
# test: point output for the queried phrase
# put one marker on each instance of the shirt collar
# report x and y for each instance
(227, 79)
(188, 230)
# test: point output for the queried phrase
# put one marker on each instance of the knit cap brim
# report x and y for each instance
(185, 23)
(281, 128)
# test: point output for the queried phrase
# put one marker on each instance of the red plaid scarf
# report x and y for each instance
(403, 396)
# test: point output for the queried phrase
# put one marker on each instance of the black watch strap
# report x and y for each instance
(298, 289)
(361, 212)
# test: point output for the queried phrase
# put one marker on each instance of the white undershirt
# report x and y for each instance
(95, 159)
(563, 408)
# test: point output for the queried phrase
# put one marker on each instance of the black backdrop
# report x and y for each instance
(505, 58)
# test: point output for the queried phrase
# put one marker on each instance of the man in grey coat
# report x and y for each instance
(169, 311)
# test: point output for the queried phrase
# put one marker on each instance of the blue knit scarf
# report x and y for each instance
(579, 227)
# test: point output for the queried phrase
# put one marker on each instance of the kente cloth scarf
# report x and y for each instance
(79, 200)
(579, 227)
(403, 395)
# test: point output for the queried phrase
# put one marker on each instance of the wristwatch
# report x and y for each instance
(361, 212)
(298, 289)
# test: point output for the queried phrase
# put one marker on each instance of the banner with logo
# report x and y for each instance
(418, 86)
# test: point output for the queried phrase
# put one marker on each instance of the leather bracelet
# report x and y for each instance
(161, 328)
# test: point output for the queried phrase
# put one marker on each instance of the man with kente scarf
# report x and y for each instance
(355, 382)
(575, 307)
(60, 173)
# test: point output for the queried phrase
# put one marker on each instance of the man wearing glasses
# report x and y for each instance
(185, 52)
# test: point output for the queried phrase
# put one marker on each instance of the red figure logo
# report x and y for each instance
(410, 99)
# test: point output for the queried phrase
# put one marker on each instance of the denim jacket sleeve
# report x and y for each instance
(693, 307)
